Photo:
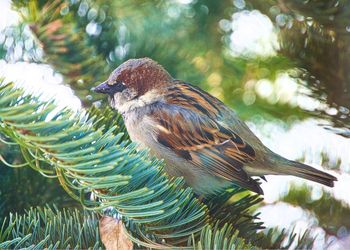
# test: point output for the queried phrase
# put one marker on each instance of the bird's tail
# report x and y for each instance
(306, 172)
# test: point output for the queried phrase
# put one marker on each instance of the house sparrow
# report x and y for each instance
(198, 136)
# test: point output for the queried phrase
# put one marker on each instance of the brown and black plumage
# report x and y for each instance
(197, 135)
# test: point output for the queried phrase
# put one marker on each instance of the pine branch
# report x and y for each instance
(87, 160)
(280, 239)
(234, 207)
(50, 228)
(220, 237)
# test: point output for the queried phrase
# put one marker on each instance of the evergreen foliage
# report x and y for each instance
(49, 228)
(86, 160)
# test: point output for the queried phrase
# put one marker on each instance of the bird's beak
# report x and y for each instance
(105, 88)
(102, 88)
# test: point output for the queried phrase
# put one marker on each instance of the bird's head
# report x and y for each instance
(134, 79)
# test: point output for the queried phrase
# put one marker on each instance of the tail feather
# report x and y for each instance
(304, 171)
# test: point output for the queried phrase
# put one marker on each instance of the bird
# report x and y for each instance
(197, 135)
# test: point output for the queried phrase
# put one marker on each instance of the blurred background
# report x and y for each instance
(282, 65)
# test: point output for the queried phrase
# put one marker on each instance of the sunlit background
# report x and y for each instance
(268, 88)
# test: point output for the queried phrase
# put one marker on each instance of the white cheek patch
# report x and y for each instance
(126, 101)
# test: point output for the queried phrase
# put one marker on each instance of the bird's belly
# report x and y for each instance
(199, 180)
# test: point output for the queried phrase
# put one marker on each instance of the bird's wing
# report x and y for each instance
(190, 130)
(190, 97)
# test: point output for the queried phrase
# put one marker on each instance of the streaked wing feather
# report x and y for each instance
(197, 137)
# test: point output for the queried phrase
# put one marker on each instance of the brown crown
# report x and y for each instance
(142, 75)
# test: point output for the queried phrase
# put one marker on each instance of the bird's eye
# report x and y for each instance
(118, 82)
